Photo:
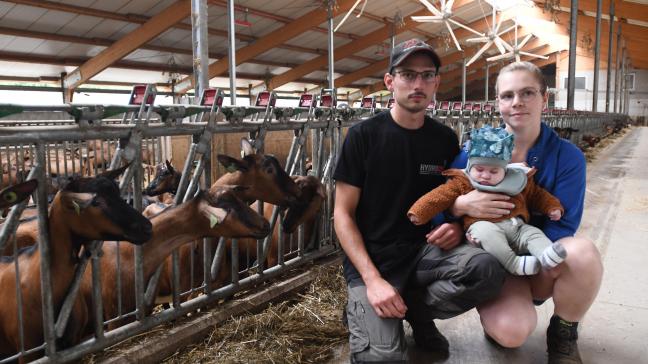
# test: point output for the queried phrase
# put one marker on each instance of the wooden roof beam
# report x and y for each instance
(108, 42)
(271, 40)
(130, 42)
(622, 9)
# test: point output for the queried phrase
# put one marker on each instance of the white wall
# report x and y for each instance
(637, 99)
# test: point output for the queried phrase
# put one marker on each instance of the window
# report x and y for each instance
(579, 81)
(630, 81)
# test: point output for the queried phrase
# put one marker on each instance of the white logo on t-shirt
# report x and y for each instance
(430, 169)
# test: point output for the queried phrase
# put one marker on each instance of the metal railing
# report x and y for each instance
(93, 139)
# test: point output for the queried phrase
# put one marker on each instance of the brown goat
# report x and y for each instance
(15, 194)
(266, 180)
(86, 209)
(213, 213)
(303, 211)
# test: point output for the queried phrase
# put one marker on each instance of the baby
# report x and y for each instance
(505, 237)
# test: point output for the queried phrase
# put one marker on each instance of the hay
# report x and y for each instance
(306, 328)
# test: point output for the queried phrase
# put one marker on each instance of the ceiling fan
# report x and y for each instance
(516, 50)
(444, 14)
(490, 38)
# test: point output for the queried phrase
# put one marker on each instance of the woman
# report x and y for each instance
(511, 318)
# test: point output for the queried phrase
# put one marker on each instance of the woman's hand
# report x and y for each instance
(482, 205)
(445, 236)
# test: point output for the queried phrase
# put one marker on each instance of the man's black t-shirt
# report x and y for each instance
(393, 167)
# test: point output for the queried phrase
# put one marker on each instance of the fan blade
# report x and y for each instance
(449, 4)
(362, 10)
(425, 18)
(466, 27)
(499, 24)
(453, 35)
(498, 43)
(534, 55)
(525, 40)
(501, 56)
(480, 39)
(431, 7)
(517, 57)
(347, 15)
(507, 30)
(479, 53)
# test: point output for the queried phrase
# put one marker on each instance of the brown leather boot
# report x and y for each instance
(562, 342)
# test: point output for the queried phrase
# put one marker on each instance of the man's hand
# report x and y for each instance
(482, 205)
(554, 215)
(385, 299)
(445, 236)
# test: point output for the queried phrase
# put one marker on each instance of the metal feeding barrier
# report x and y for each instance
(55, 143)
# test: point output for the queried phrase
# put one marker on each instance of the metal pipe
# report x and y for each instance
(463, 80)
(200, 46)
(486, 85)
(617, 78)
(608, 81)
(46, 256)
(597, 56)
(573, 38)
(622, 81)
(331, 59)
(231, 35)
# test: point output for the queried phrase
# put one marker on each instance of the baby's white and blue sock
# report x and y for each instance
(553, 255)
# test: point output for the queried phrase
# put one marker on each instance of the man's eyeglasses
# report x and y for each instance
(526, 95)
(411, 76)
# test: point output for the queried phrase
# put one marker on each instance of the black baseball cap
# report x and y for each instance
(405, 49)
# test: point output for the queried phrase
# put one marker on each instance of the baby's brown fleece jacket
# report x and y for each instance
(533, 198)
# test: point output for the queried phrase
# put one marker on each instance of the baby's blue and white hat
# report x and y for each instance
(490, 146)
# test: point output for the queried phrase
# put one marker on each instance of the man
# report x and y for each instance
(387, 163)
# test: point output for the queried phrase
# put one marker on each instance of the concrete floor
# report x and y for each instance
(616, 328)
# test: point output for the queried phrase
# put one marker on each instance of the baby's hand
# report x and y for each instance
(554, 215)
(472, 239)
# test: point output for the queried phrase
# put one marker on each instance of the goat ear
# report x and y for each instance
(246, 147)
(232, 164)
(17, 193)
(115, 172)
(77, 200)
(169, 166)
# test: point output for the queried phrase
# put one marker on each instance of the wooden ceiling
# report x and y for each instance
(121, 42)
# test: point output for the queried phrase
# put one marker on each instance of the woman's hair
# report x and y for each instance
(528, 67)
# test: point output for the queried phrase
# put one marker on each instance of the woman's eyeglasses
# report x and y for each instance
(525, 95)
(411, 76)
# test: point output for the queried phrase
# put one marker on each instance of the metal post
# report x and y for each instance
(486, 85)
(616, 68)
(608, 82)
(622, 80)
(200, 46)
(46, 256)
(573, 37)
(463, 80)
(331, 60)
(597, 51)
(232, 50)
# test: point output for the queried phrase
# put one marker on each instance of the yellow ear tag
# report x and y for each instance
(213, 221)
(231, 168)
(10, 197)
(77, 208)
